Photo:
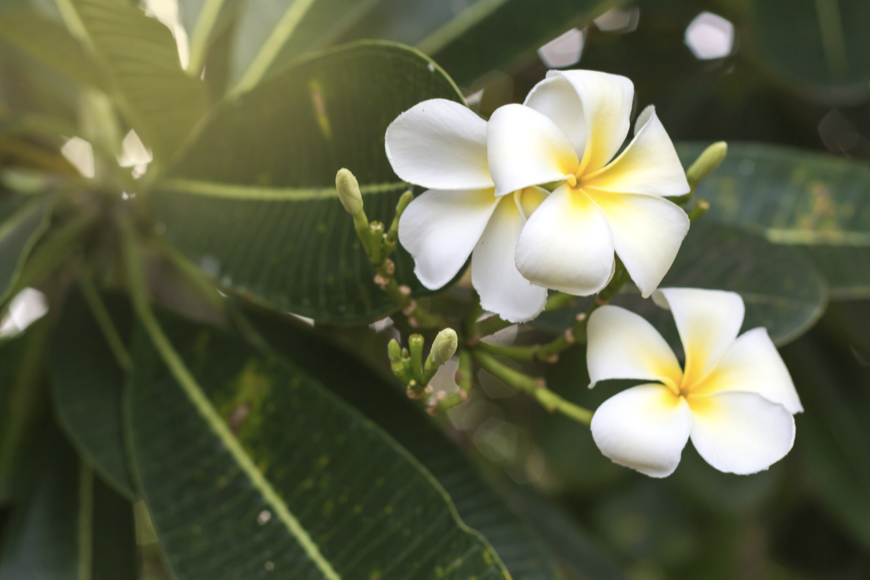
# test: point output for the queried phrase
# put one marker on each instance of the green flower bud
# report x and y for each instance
(444, 346)
(706, 163)
(348, 191)
(394, 351)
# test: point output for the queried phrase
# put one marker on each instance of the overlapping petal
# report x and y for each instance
(439, 144)
(441, 228)
(607, 100)
(708, 322)
(494, 273)
(644, 428)
(526, 148)
(556, 98)
(753, 365)
(648, 165)
(623, 345)
(566, 244)
(740, 433)
(647, 233)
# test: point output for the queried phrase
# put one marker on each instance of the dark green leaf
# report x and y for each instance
(51, 44)
(781, 290)
(816, 202)
(833, 438)
(479, 504)
(308, 487)
(820, 45)
(72, 526)
(23, 219)
(161, 102)
(87, 384)
(253, 202)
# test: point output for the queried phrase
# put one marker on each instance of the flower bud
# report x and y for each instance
(706, 163)
(394, 351)
(444, 346)
(348, 191)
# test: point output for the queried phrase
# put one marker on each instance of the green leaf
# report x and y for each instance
(479, 505)
(819, 45)
(308, 487)
(23, 219)
(833, 438)
(51, 44)
(253, 202)
(159, 100)
(781, 290)
(816, 202)
(72, 526)
(23, 406)
(201, 20)
(87, 384)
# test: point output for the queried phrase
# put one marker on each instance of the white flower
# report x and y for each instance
(571, 125)
(735, 398)
(441, 145)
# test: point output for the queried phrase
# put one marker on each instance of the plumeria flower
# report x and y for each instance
(441, 145)
(567, 134)
(734, 399)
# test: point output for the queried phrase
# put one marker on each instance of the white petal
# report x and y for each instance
(708, 322)
(644, 428)
(740, 433)
(494, 273)
(753, 365)
(440, 229)
(530, 199)
(647, 233)
(439, 144)
(648, 165)
(566, 244)
(607, 100)
(526, 148)
(556, 98)
(622, 345)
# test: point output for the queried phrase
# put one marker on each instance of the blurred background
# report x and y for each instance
(791, 73)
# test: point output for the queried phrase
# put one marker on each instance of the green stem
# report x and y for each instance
(491, 325)
(415, 346)
(528, 353)
(698, 210)
(560, 300)
(465, 374)
(534, 387)
(104, 321)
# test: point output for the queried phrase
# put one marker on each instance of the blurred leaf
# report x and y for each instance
(204, 20)
(160, 101)
(833, 433)
(816, 202)
(323, 494)
(253, 202)
(23, 406)
(819, 44)
(72, 526)
(472, 38)
(87, 384)
(479, 505)
(23, 219)
(51, 44)
(781, 290)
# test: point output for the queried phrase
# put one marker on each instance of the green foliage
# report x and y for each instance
(24, 219)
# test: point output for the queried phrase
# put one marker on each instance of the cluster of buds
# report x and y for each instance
(415, 374)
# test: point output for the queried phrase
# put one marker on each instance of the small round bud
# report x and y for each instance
(348, 191)
(394, 351)
(444, 346)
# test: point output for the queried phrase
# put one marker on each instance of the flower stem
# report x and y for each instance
(534, 387)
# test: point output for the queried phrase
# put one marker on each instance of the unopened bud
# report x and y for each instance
(706, 163)
(348, 191)
(444, 346)
(394, 351)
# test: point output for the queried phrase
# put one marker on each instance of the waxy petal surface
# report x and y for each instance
(647, 233)
(566, 244)
(556, 98)
(439, 144)
(644, 428)
(441, 228)
(740, 433)
(494, 274)
(623, 345)
(526, 148)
